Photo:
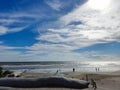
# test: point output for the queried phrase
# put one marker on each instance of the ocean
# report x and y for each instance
(62, 66)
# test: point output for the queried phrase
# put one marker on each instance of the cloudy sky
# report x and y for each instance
(59, 30)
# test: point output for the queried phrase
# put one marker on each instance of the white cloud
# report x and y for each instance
(5, 47)
(8, 53)
(19, 20)
(10, 56)
(8, 21)
(56, 53)
(13, 30)
(40, 52)
(48, 48)
(54, 4)
(1, 42)
(93, 27)
(3, 30)
(15, 16)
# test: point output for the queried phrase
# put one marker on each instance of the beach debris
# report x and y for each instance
(1, 71)
(7, 72)
(94, 85)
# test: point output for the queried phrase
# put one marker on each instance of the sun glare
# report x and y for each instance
(99, 4)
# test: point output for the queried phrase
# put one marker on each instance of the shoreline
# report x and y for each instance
(69, 74)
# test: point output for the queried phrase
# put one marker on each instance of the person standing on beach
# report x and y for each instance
(96, 69)
(73, 69)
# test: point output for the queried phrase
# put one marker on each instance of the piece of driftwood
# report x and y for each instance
(7, 88)
(59, 82)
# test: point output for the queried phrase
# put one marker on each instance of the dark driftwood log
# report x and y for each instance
(7, 88)
(59, 82)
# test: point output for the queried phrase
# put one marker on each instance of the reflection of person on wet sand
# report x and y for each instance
(94, 85)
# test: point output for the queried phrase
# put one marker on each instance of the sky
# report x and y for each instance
(59, 30)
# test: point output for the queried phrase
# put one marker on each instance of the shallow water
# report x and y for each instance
(63, 66)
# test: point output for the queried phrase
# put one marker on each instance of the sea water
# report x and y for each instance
(62, 66)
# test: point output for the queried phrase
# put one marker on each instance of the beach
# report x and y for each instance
(107, 75)
(104, 81)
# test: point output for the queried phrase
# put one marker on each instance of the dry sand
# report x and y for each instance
(105, 81)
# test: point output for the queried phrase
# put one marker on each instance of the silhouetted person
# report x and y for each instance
(73, 69)
(98, 69)
(94, 85)
(57, 72)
